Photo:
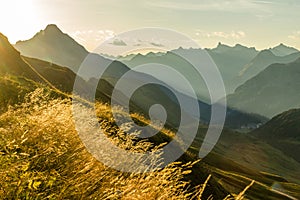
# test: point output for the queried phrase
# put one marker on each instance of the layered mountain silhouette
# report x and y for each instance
(52, 38)
(229, 60)
(236, 64)
(272, 91)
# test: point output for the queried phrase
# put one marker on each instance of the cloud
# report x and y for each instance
(221, 34)
(118, 42)
(92, 35)
(295, 35)
(156, 44)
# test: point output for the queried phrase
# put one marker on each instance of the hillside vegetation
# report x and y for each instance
(42, 157)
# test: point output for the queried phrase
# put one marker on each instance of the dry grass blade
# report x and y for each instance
(203, 187)
(240, 196)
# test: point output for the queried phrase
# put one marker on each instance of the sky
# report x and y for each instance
(256, 23)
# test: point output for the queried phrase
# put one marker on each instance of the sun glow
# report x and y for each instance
(18, 19)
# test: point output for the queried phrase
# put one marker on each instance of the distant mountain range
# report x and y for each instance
(236, 64)
(229, 60)
(262, 88)
(52, 38)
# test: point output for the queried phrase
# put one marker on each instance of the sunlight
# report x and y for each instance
(17, 16)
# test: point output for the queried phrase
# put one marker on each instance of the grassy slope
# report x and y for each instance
(239, 158)
(41, 156)
(283, 132)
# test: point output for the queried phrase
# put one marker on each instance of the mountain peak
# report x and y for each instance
(220, 45)
(57, 47)
(281, 45)
(236, 46)
(52, 28)
(283, 50)
(240, 46)
(222, 48)
(266, 52)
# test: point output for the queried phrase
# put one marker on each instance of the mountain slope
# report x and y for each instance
(239, 158)
(283, 132)
(273, 91)
(17, 78)
(261, 62)
(12, 63)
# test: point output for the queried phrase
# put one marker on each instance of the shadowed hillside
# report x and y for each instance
(283, 132)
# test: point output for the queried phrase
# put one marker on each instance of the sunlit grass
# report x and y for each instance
(42, 157)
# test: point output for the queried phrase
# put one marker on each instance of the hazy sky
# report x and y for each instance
(259, 23)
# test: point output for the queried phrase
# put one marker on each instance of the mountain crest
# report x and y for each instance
(283, 50)
(221, 48)
(52, 29)
(50, 44)
(266, 53)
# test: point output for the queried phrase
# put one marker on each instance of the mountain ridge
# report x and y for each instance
(270, 92)
(283, 50)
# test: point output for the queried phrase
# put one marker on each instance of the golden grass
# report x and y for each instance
(42, 157)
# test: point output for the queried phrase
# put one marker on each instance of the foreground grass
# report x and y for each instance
(42, 157)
